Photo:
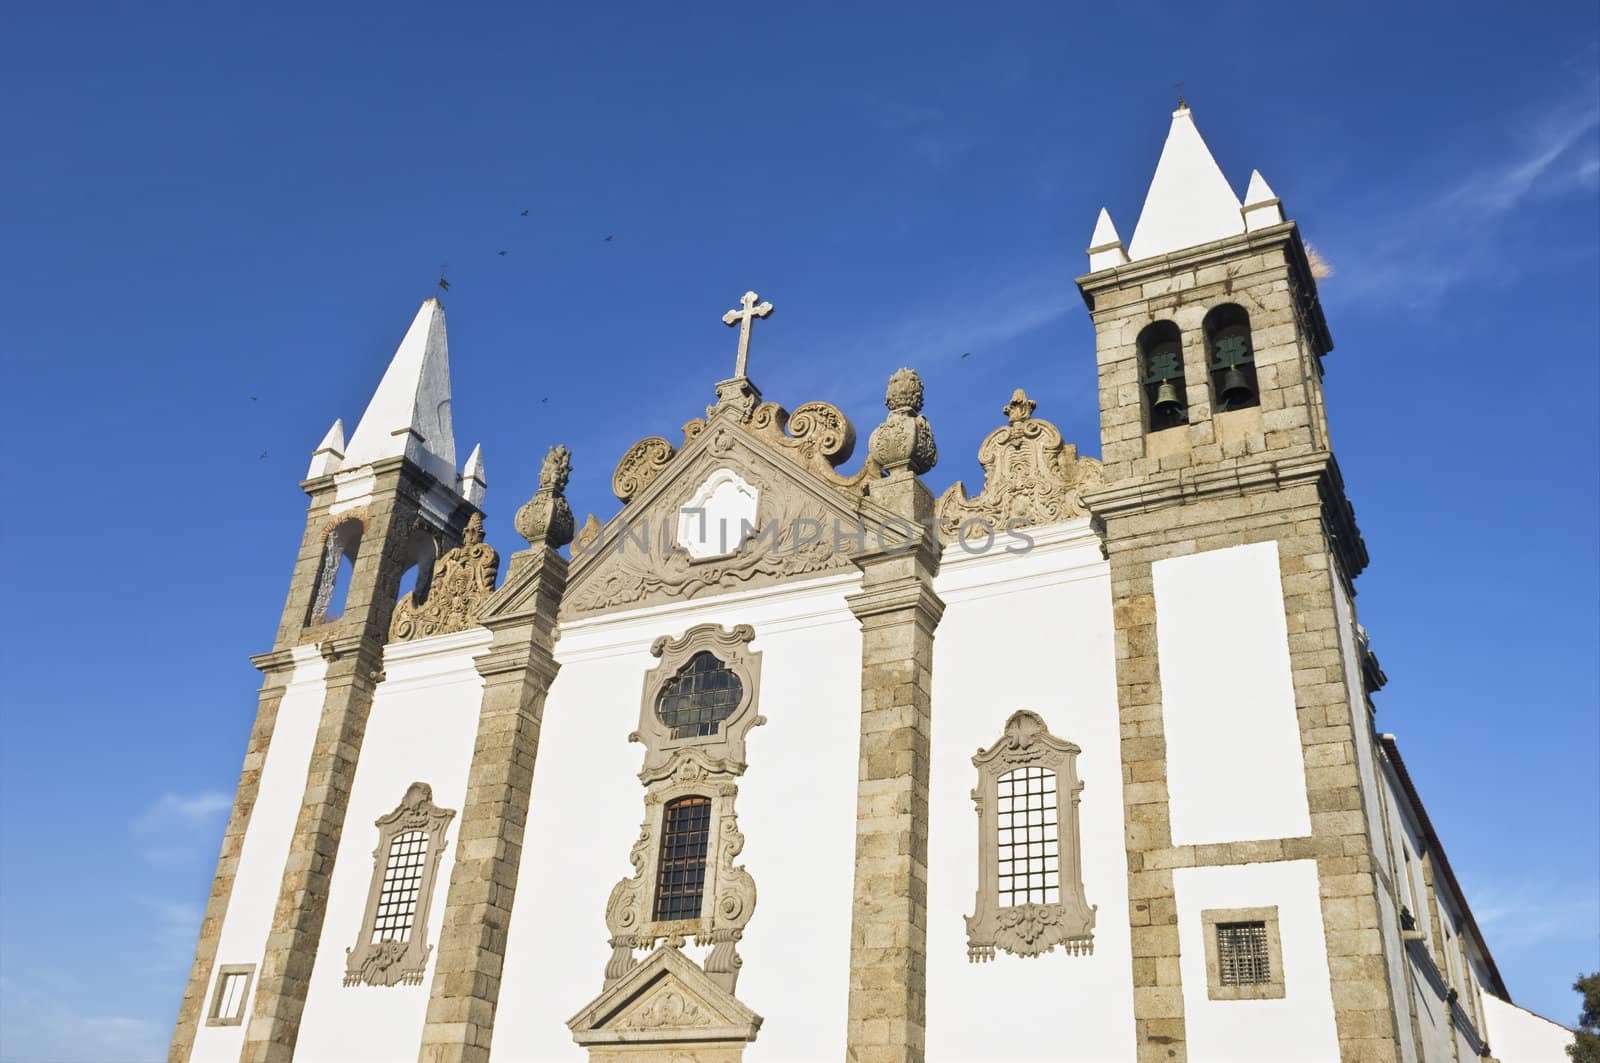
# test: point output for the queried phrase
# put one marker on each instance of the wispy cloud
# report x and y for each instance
(1560, 157)
(1515, 915)
(1416, 250)
(171, 928)
(177, 828)
(926, 131)
(41, 1028)
(931, 337)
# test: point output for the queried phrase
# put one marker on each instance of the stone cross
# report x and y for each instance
(744, 317)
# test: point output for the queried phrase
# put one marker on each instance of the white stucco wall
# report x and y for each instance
(1031, 632)
(1234, 767)
(796, 808)
(266, 847)
(1517, 1035)
(1300, 1026)
(421, 729)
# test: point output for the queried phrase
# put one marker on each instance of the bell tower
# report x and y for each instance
(386, 502)
(1210, 342)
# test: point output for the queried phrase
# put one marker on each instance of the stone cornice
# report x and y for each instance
(1157, 492)
(908, 593)
(1186, 486)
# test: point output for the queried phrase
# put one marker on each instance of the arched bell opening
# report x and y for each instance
(1161, 375)
(1230, 358)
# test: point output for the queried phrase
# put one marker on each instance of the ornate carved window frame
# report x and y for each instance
(1029, 929)
(1272, 988)
(724, 750)
(700, 765)
(215, 1017)
(387, 963)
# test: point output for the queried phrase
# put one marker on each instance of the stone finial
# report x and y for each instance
(546, 519)
(1020, 408)
(904, 391)
(472, 535)
(905, 439)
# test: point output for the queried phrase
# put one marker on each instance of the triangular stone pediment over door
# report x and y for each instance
(735, 471)
(665, 1010)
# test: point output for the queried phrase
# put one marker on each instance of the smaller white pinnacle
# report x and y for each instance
(329, 454)
(473, 483)
(1105, 246)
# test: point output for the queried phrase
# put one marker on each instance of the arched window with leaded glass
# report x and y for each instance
(695, 701)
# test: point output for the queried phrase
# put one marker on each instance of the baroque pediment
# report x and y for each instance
(809, 519)
(665, 999)
(1031, 476)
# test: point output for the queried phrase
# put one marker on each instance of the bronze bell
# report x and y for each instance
(1235, 390)
(1167, 403)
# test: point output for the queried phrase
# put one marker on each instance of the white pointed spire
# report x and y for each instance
(472, 483)
(410, 412)
(329, 455)
(1261, 206)
(1105, 246)
(1189, 201)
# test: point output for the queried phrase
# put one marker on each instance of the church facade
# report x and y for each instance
(1119, 795)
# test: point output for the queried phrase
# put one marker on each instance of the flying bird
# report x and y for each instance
(502, 254)
(967, 355)
(252, 398)
(263, 456)
(545, 399)
(609, 236)
(524, 214)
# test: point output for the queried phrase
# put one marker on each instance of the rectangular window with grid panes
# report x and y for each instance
(1030, 856)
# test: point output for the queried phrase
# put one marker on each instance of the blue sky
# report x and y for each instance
(216, 226)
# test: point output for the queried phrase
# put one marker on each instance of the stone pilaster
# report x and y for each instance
(517, 671)
(898, 610)
(276, 668)
(353, 645)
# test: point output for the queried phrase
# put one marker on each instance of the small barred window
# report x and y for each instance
(694, 702)
(1242, 954)
(1030, 858)
(681, 870)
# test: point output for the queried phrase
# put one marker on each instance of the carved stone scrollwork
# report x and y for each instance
(1045, 918)
(701, 760)
(645, 569)
(1030, 477)
(819, 436)
(722, 751)
(463, 579)
(642, 463)
(379, 957)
